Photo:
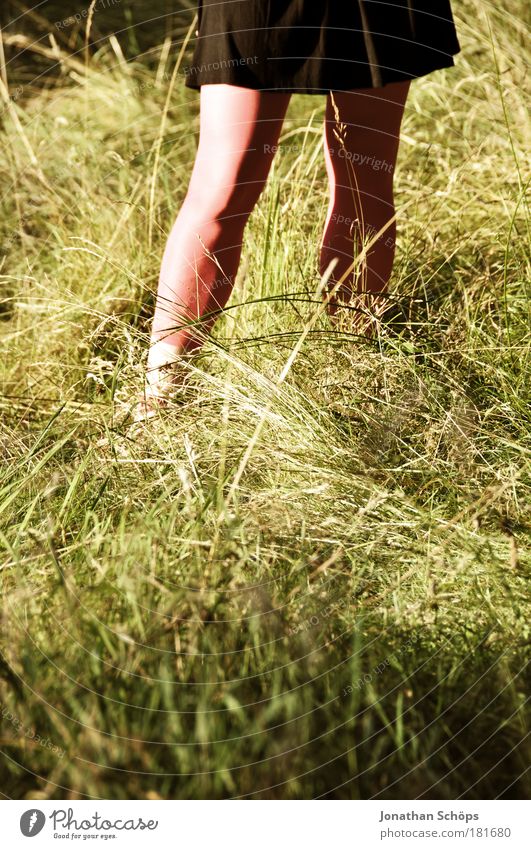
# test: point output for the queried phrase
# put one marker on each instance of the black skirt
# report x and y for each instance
(314, 46)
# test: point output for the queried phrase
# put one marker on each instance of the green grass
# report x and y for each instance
(342, 610)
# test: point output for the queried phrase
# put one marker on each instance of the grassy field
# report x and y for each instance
(310, 578)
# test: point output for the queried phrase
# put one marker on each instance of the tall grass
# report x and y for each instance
(298, 582)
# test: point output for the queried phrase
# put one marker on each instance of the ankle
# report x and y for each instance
(162, 353)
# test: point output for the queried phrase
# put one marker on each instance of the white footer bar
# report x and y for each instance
(267, 824)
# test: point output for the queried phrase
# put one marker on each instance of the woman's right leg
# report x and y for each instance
(239, 129)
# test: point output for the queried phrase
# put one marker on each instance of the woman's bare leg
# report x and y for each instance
(362, 133)
(239, 129)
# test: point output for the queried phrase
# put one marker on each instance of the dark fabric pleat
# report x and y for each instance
(372, 58)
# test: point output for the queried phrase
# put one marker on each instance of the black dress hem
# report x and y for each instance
(219, 78)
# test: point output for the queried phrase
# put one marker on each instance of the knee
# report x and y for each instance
(362, 190)
(223, 200)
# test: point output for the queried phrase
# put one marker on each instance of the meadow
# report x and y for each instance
(310, 577)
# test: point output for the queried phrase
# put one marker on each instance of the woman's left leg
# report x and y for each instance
(362, 134)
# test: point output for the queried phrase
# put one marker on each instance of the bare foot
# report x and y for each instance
(166, 373)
